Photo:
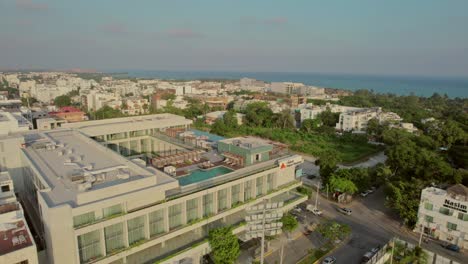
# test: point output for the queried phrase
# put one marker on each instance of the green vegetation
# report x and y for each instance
(333, 231)
(224, 245)
(62, 100)
(105, 112)
(305, 191)
(404, 255)
(289, 222)
(315, 254)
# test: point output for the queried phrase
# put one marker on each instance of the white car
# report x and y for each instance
(345, 211)
(329, 260)
(364, 194)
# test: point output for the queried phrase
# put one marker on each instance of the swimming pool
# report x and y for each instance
(201, 175)
(211, 137)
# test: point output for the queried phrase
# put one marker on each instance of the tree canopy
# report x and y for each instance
(63, 100)
(289, 222)
(224, 245)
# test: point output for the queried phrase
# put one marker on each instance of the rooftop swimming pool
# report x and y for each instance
(201, 175)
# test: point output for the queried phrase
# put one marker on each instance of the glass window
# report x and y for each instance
(156, 222)
(428, 206)
(445, 211)
(463, 216)
(136, 229)
(270, 181)
(451, 226)
(222, 199)
(112, 210)
(429, 219)
(247, 190)
(83, 219)
(192, 209)
(89, 246)
(207, 204)
(175, 216)
(114, 237)
(259, 186)
(235, 194)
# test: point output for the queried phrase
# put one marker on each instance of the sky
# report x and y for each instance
(398, 37)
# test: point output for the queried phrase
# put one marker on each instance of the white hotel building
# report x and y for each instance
(443, 214)
(93, 198)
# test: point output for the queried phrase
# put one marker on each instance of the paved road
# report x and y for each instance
(373, 224)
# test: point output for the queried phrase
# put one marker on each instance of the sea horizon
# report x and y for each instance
(424, 86)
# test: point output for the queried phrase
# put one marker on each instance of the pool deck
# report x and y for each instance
(186, 170)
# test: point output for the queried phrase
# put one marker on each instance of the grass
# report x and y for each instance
(314, 255)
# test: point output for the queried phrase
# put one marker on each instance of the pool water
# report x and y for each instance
(201, 175)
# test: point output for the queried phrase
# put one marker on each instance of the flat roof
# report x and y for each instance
(71, 163)
(248, 142)
(14, 236)
(125, 124)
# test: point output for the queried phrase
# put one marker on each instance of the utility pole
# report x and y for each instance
(316, 196)
(281, 255)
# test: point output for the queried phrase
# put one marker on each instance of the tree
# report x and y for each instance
(230, 119)
(283, 119)
(224, 245)
(106, 112)
(310, 125)
(289, 222)
(332, 230)
(258, 114)
(328, 162)
(342, 184)
(328, 118)
(219, 128)
(62, 100)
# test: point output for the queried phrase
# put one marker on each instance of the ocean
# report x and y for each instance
(400, 85)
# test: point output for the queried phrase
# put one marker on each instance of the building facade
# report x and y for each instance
(443, 214)
(94, 199)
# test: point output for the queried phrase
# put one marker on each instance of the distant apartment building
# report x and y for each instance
(96, 100)
(357, 120)
(16, 241)
(135, 106)
(252, 85)
(443, 214)
(92, 197)
(70, 114)
(211, 117)
(291, 88)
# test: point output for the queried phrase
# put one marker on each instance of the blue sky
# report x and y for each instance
(425, 37)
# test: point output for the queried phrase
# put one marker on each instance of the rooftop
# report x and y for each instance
(119, 125)
(248, 142)
(14, 236)
(69, 164)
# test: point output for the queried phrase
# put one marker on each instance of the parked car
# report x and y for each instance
(297, 209)
(345, 211)
(364, 194)
(370, 191)
(368, 256)
(329, 260)
(452, 247)
(314, 210)
(375, 250)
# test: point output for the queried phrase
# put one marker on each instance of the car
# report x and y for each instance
(375, 250)
(364, 194)
(452, 247)
(313, 209)
(370, 191)
(329, 260)
(297, 209)
(345, 211)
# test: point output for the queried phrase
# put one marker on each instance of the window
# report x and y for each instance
(451, 226)
(259, 186)
(83, 219)
(270, 181)
(428, 206)
(89, 246)
(235, 194)
(114, 237)
(112, 210)
(257, 157)
(175, 216)
(429, 219)
(5, 188)
(156, 222)
(463, 216)
(247, 190)
(136, 229)
(222, 200)
(445, 211)
(207, 204)
(192, 209)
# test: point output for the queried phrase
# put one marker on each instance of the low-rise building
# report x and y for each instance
(443, 214)
(49, 123)
(357, 120)
(13, 122)
(16, 241)
(70, 114)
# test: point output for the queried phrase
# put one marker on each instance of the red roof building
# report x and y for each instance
(70, 113)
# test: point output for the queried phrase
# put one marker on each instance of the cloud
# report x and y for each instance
(30, 5)
(114, 28)
(183, 33)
